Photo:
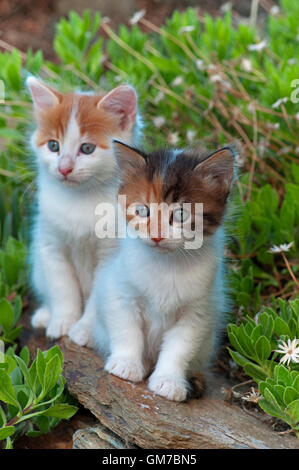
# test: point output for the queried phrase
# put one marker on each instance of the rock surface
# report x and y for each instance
(97, 437)
(130, 415)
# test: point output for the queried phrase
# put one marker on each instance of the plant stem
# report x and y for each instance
(16, 418)
(289, 269)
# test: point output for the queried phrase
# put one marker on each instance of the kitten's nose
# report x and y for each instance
(157, 240)
(65, 170)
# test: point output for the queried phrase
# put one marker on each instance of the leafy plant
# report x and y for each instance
(281, 396)
(256, 343)
(9, 317)
(32, 395)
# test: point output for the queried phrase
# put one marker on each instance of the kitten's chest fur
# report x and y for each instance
(169, 286)
(70, 212)
(67, 221)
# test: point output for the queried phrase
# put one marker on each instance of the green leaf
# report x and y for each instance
(245, 342)
(290, 394)
(256, 333)
(263, 348)
(281, 327)
(6, 315)
(52, 372)
(235, 342)
(6, 432)
(295, 384)
(254, 371)
(279, 392)
(8, 443)
(238, 358)
(7, 393)
(61, 410)
(52, 352)
(270, 409)
(267, 323)
(293, 410)
(282, 376)
(22, 365)
(40, 367)
(25, 355)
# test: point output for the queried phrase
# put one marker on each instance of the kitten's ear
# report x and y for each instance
(218, 168)
(128, 158)
(43, 96)
(122, 101)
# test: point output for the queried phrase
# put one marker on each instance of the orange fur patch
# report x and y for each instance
(94, 123)
(159, 181)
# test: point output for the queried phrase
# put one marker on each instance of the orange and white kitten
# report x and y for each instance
(160, 304)
(76, 170)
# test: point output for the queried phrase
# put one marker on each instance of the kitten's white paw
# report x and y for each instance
(81, 334)
(41, 318)
(59, 326)
(172, 388)
(125, 368)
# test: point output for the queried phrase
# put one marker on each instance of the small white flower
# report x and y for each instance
(292, 61)
(246, 65)
(297, 116)
(137, 16)
(277, 103)
(177, 81)
(215, 78)
(200, 65)
(159, 97)
(274, 10)
(262, 146)
(187, 29)
(284, 151)
(258, 47)
(173, 138)
(251, 107)
(226, 7)
(273, 125)
(283, 247)
(290, 351)
(190, 136)
(159, 121)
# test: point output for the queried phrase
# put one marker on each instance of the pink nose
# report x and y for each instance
(157, 240)
(65, 170)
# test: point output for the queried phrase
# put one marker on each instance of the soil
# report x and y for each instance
(31, 23)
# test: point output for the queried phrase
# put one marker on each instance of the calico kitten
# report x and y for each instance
(160, 305)
(76, 170)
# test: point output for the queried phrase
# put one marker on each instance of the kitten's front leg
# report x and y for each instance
(81, 332)
(61, 290)
(180, 345)
(126, 341)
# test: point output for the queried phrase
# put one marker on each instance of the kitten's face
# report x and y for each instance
(173, 195)
(74, 131)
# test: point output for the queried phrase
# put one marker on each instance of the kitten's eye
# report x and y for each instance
(87, 148)
(142, 211)
(181, 215)
(53, 145)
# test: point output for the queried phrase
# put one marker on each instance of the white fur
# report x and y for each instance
(159, 308)
(65, 250)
